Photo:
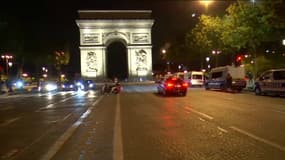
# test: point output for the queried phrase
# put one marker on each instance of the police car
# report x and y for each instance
(218, 78)
(271, 82)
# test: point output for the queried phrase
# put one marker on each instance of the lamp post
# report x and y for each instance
(208, 60)
(6, 58)
(216, 53)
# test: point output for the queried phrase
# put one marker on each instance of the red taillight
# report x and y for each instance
(185, 84)
(169, 84)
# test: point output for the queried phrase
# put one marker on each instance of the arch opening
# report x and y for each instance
(117, 64)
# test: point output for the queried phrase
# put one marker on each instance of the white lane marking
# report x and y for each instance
(68, 133)
(201, 119)
(222, 129)
(67, 99)
(52, 105)
(9, 121)
(199, 113)
(268, 142)
(10, 154)
(66, 117)
(117, 140)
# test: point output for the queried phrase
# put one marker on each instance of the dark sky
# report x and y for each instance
(52, 21)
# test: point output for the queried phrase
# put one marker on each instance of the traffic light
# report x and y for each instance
(238, 60)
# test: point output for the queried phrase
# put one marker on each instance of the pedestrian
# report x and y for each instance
(229, 80)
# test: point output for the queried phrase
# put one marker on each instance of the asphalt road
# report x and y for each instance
(139, 124)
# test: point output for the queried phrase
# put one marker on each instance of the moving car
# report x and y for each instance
(68, 86)
(173, 86)
(85, 85)
(48, 86)
(196, 78)
(271, 82)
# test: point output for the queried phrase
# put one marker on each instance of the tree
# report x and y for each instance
(62, 58)
(245, 26)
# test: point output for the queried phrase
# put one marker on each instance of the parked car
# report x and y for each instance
(218, 78)
(173, 86)
(270, 82)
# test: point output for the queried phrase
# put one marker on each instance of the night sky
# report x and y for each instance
(53, 21)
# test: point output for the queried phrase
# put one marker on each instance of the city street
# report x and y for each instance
(139, 124)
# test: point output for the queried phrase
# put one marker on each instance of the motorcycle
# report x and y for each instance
(114, 89)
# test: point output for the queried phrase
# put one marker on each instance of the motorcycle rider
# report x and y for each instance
(116, 88)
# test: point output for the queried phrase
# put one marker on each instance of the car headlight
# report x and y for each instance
(19, 84)
(91, 85)
(50, 87)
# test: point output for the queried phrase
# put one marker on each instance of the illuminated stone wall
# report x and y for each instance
(96, 35)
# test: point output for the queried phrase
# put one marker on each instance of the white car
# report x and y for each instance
(271, 82)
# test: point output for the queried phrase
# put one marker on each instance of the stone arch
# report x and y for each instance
(98, 29)
(115, 36)
(116, 59)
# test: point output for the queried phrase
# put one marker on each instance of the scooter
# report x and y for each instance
(114, 89)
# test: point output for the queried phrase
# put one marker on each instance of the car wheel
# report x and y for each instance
(164, 93)
(258, 91)
(207, 87)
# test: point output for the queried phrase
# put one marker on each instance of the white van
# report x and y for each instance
(196, 78)
(218, 75)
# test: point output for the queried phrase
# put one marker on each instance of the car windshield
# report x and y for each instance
(197, 77)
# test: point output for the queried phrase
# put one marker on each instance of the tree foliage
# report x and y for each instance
(245, 26)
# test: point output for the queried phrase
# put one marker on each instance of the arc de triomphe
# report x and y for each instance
(100, 28)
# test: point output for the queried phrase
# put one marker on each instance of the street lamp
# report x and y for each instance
(207, 59)
(216, 52)
(163, 52)
(206, 3)
(6, 58)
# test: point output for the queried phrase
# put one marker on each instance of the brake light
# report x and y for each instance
(169, 84)
(185, 84)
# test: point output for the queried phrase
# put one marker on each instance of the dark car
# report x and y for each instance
(173, 86)
(68, 86)
(85, 85)
(48, 86)
(90, 84)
